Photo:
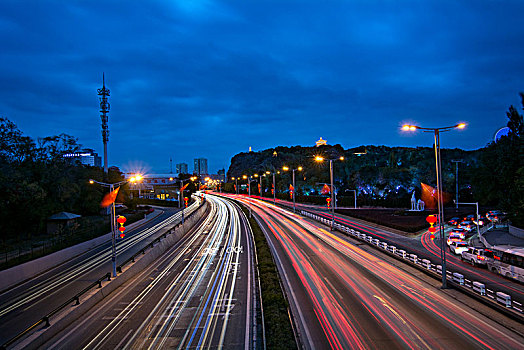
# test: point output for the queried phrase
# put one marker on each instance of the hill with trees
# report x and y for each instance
(387, 176)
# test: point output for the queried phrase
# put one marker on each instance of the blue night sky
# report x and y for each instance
(209, 79)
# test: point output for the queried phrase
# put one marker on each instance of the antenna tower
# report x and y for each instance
(104, 109)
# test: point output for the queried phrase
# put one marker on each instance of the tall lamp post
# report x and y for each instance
(192, 178)
(112, 187)
(236, 183)
(274, 185)
(261, 192)
(438, 170)
(299, 169)
(246, 178)
(321, 159)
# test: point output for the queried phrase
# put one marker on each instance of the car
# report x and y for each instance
(459, 231)
(458, 247)
(475, 256)
(481, 221)
(453, 238)
(454, 221)
(469, 217)
(496, 215)
(466, 225)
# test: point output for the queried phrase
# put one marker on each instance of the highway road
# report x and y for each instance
(346, 296)
(199, 294)
(423, 247)
(25, 304)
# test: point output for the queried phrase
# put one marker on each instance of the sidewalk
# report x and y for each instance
(501, 236)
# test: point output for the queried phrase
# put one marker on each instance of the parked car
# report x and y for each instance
(453, 238)
(466, 225)
(458, 247)
(454, 221)
(459, 231)
(475, 256)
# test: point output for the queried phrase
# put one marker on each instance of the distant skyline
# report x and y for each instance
(209, 79)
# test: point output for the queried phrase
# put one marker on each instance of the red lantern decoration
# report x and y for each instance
(122, 235)
(431, 219)
(432, 236)
(121, 229)
(432, 229)
(121, 219)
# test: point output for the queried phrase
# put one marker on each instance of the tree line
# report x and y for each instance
(36, 181)
(387, 176)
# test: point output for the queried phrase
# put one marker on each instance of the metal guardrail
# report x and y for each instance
(475, 288)
(45, 320)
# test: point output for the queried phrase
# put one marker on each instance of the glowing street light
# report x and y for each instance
(236, 183)
(321, 159)
(299, 169)
(438, 170)
(112, 187)
(274, 185)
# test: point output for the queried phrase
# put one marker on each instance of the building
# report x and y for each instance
(222, 175)
(155, 186)
(321, 142)
(86, 157)
(181, 168)
(200, 166)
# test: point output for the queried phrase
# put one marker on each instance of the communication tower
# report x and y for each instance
(104, 109)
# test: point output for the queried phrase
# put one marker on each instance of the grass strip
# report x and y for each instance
(279, 332)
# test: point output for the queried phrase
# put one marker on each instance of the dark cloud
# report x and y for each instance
(210, 78)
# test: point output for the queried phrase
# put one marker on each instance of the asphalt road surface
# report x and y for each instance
(199, 294)
(344, 296)
(423, 247)
(28, 302)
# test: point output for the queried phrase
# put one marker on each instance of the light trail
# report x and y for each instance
(57, 283)
(381, 304)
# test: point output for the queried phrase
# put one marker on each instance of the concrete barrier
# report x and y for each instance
(504, 299)
(401, 253)
(426, 263)
(479, 287)
(392, 249)
(459, 278)
(30, 269)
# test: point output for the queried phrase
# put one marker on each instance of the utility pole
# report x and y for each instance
(104, 109)
(457, 161)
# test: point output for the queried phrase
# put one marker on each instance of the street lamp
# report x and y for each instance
(236, 183)
(181, 199)
(438, 170)
(245, 177)
(112, 186)
(274, 186)
(321, 159)
(299, 169)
